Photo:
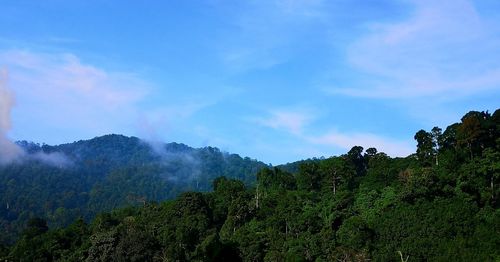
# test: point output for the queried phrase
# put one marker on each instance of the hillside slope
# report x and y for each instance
(439, 204)
(60, 183)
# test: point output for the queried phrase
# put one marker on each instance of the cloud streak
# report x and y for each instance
(291, 121)
(65, 75)
(299, 124)
(59, 92)
(444, 48)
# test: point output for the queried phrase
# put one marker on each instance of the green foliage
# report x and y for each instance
(425, 145)
(104, 173)
(438, 205)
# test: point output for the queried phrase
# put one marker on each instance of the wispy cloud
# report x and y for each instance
(66, 75)
(153, 124)
(289, 121)
(300, 125)
(444, 47)
(60, 94)
(7, 102)
(54, 159)
(9, 151)
(60, 90)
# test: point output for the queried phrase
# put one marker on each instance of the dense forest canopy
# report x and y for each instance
(87, 177)
(439, 204)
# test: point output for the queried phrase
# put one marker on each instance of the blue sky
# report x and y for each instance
(276, 80)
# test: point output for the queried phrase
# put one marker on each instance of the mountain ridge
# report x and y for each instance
(83, 178)
(439, 204)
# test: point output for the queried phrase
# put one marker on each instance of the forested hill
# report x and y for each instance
(61, 183)
(439, 204)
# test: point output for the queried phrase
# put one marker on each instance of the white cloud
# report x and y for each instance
(60, 91)
(298, 123)
(290, 121)
(444, 48)
(8, 151)
(6, 103)
(65, 75)
(54, 159)
(66, 99)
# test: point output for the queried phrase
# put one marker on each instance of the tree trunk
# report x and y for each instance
(257, 197)
(401, 255)
(492, 188)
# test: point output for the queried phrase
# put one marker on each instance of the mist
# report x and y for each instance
(10, 152)
(54, 159)
(187, 164)
(181, 164)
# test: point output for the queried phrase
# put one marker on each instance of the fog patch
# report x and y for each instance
(56, 159)
(11, 152)
(180, 163)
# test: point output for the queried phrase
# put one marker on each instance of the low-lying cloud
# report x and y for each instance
(56, 159)
(179, 165)
(10, 152)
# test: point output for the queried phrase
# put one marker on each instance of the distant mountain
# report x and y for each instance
(61, 183)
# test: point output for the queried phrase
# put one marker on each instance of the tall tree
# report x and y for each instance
(309, 176)
(425, 147)
(337, 172)
(436, 133)
(470, 132)
(355, 155)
